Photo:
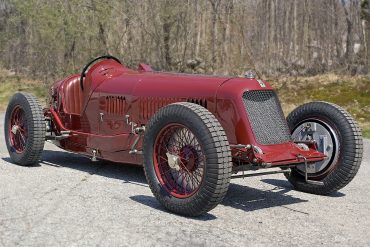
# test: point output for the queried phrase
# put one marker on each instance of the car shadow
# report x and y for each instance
(127, 173)
(284, 184)
(132, 174)
(151, 202)
(239, 196)
(8, 160)
(251, 199)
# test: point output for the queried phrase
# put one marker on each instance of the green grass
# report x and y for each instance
(9, 85)
(352, 93)
(366, 133)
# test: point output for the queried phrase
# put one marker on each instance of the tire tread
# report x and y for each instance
(218, 167)
(351, 152)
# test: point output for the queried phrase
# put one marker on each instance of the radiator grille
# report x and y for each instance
(266, 117)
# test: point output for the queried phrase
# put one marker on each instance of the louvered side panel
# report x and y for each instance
(115, 105)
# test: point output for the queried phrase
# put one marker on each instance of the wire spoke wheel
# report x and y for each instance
(24, 129)
(18, 130)
(187, 159)
(179, 161)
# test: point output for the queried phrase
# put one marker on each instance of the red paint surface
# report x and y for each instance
(114, 91)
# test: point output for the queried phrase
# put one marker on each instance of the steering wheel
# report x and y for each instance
(83, 73)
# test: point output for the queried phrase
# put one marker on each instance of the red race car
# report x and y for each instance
(191, 133)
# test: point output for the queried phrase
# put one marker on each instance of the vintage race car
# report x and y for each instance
(191, 133)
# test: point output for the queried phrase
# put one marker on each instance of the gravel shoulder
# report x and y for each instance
(68, 200)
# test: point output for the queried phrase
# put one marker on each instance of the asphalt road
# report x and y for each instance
(68, 201)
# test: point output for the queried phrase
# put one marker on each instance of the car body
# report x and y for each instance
(99, 116)
(191, 132)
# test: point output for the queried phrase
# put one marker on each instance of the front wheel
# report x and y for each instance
(24, 129)
(187, 159)
(337, 136)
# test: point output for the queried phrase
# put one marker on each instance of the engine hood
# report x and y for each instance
(152, 90)
(235, 87)
(177, 85)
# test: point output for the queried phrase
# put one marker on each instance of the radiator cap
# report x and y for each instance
(250, 75)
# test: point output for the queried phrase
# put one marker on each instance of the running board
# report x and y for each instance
(260, 174)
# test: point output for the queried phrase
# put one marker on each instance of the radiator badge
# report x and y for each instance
(262, 84)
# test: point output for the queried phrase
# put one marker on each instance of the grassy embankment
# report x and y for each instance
(10, 83)
(352, 93)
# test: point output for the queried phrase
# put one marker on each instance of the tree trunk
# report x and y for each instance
(365, 16)
(215, 5)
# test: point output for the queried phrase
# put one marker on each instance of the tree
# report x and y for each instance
(49, 39)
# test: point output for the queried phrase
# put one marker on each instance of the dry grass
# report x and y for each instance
(352, 93)
(10, 83)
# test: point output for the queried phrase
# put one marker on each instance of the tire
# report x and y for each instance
(24, 129)
(190, 136)
(344, 155)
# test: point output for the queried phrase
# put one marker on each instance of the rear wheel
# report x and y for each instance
(24, 129)
(337, 135)
(187, 159)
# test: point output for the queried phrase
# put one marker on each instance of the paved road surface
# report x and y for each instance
(67, 200)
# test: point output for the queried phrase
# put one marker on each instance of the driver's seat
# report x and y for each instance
(72, 95)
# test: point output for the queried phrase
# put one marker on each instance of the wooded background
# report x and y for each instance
(47, 39)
